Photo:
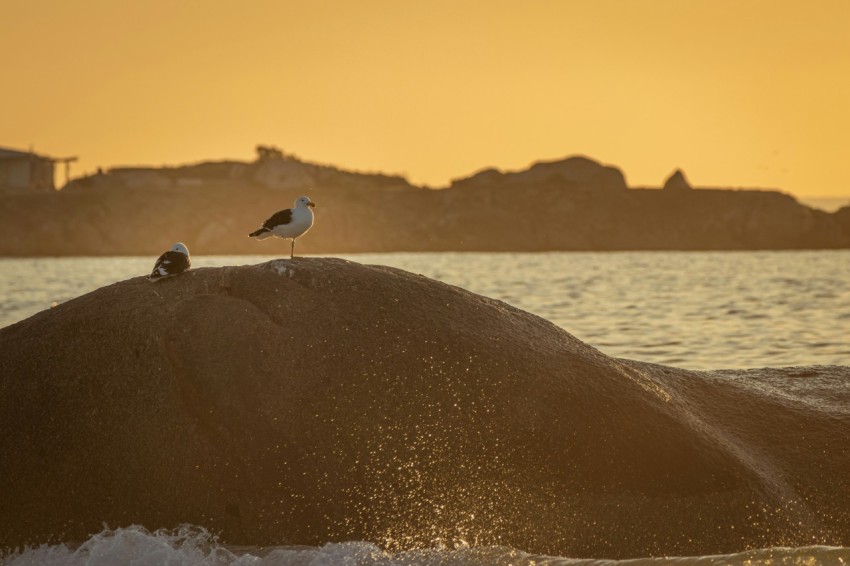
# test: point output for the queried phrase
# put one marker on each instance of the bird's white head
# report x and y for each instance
(180, 247)
(302, 202)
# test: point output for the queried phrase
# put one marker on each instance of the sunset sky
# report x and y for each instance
(735, 92)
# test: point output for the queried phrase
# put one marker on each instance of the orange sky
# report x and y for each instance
(735, 92)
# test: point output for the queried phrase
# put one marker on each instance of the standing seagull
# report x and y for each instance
(173, 262)
(291, 223)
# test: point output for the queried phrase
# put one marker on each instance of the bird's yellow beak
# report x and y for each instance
(311, 203)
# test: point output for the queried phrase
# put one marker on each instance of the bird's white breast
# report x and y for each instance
(302, 220)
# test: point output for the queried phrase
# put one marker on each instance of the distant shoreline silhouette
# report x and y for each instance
(575, 203)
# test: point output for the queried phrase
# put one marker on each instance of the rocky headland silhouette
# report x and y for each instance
(570, 204)
(315, 400)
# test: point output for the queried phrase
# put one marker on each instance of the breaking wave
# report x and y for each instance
(195, 546)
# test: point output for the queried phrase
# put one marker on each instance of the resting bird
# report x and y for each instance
(291, 223)
(173, 262)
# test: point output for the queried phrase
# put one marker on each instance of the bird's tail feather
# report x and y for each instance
(259, 234)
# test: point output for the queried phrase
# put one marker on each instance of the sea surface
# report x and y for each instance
(696, 310)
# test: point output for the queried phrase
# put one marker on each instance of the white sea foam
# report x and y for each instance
(195, 546)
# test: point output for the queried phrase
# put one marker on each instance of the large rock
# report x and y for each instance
(573, 172)
(677, 182)
(576, 171)
(315, 400)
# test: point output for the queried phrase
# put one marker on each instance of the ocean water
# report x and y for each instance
(696, 310)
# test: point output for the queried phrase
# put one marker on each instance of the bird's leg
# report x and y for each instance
(292, 251)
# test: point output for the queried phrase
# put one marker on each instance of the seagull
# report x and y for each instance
(291, 223)
(173, 262)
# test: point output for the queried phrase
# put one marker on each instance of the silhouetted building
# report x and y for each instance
(29, 170)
